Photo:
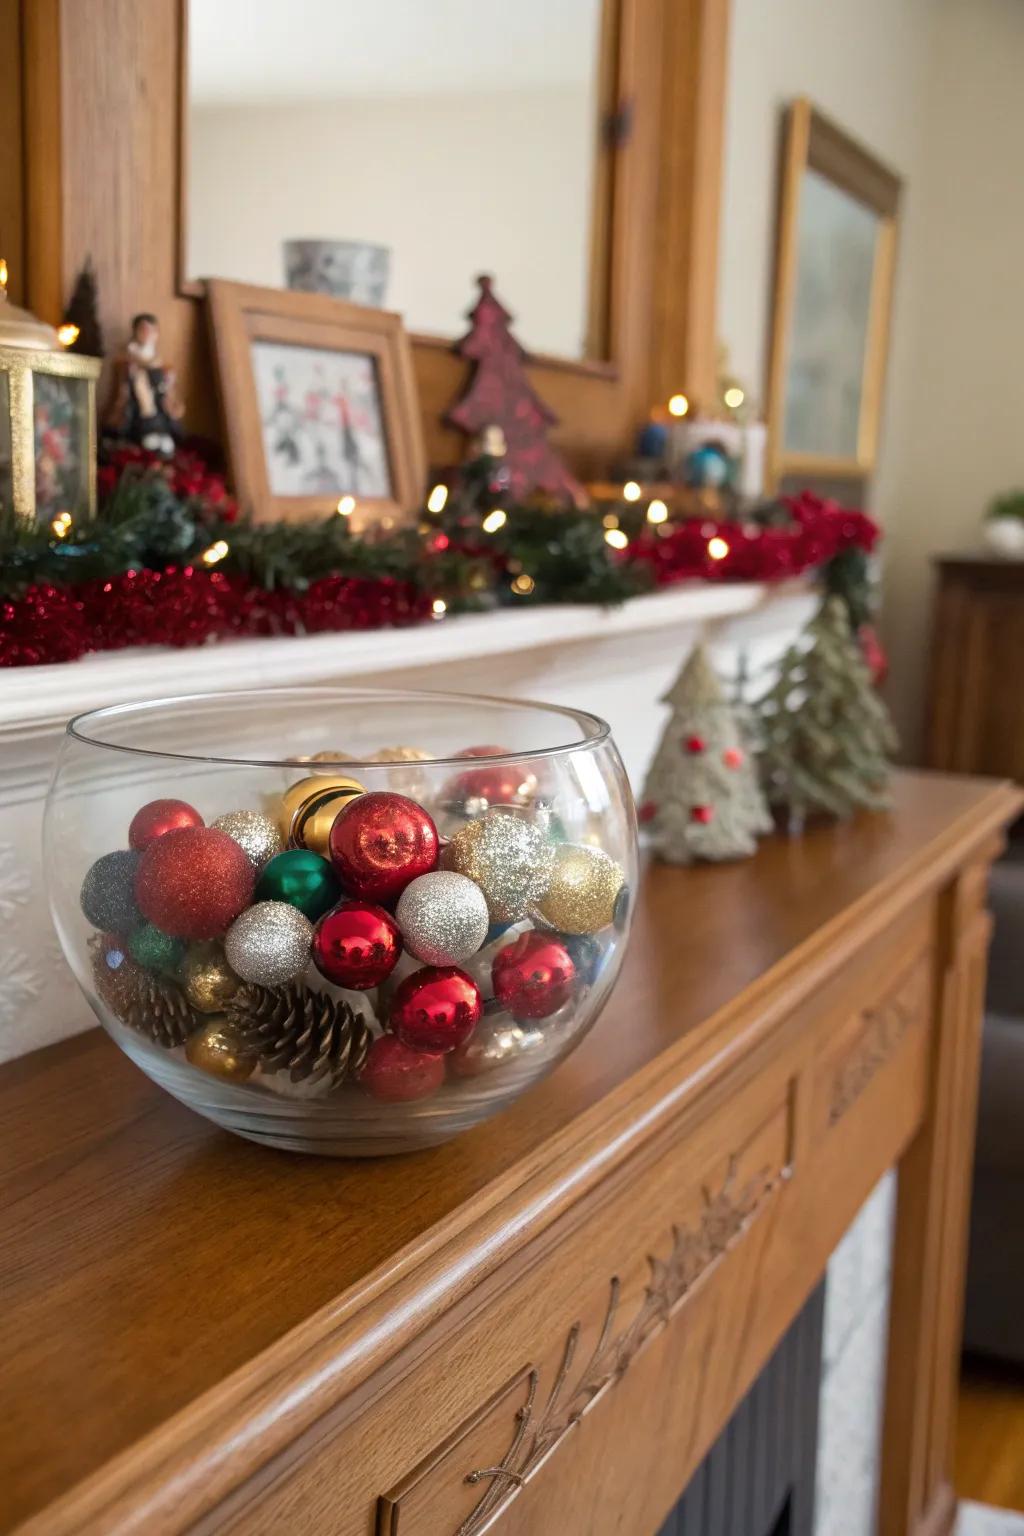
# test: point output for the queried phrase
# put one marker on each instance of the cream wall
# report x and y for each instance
(456, 185)
(934, 88)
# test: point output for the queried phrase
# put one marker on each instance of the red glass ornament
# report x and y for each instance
(695, 743)
(702, 813)
(533, 976)
(732, 757)
(436, 1008)
(381, 841)
(193, 883)
(159, 816)
(356, 945)
(646, 812)
(499, 784)
(396, 1074)
(874, 653)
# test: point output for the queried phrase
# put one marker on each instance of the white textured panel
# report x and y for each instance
(983, 1520)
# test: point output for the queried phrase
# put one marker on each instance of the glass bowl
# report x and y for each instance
(337, 920)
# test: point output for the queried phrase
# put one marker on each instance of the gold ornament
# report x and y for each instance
(308, 810)
(509, 859)
(330, 755)
(209, 981)
(218, 1049)
(400, 755)
(583, 889)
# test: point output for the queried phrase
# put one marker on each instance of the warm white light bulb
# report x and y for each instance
(438, 499)
(734, 397)
(678, 405)
(631, 491)
(616, 538)
(494, 520)
(216, 552)
(346, 506)
(717, 549)
(657, 512)
(440, 607)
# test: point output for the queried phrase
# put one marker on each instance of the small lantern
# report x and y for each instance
(47, 419)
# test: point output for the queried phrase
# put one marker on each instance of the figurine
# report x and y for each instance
(146, 408)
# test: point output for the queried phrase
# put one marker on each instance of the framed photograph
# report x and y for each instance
(319, 403)
(835, 264)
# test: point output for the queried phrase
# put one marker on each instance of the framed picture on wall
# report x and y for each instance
(319, 404)
(835, 263)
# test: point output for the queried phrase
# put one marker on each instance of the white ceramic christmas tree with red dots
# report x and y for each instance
(702, 799)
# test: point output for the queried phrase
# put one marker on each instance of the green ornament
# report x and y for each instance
(301, 878)
(157, 951)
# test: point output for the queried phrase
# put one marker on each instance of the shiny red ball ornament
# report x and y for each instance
(533, 976)
(646, 812)
(702, 813)
(499, 784)
(357, 945)
(381, 841)
(732, 757)
(194, 882)
(695, 744)
(158, 817)
(396, 1074)
(436, 1008)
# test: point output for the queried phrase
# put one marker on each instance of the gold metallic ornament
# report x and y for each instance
(218, 1050)
(330, 755)
(400, 755)
(509, 859)
(309, 808)
(208, 980)
(583, 889)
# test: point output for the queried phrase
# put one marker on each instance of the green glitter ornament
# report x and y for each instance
(157, 951)
(301, 878)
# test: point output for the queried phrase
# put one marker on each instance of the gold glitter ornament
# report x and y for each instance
(219, 1050)
(400, 755)
(208, 980)
(257, 835)
(411, 781)
(583, 889)
(509, 859)
(308, 809)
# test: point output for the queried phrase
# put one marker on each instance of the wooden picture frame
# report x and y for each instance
(853, 201)
(257, 330)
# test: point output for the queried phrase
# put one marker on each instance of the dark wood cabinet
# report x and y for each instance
(975, 721)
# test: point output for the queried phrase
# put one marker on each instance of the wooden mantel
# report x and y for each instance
(202, 1335)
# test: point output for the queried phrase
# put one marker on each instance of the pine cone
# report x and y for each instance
(308, 1034)
(149, 1004)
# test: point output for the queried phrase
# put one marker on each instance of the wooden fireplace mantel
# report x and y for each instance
(547, 1322)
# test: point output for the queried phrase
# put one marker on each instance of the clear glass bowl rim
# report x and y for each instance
(595, 731)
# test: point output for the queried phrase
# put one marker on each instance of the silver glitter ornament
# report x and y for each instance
(269, 944)
(443, 917)
(258, 836)
(509, 859)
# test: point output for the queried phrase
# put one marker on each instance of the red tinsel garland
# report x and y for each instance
(188, 606)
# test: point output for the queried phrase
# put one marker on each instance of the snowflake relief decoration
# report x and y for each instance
(500, 395)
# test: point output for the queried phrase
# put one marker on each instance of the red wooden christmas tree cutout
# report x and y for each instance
(500, 395)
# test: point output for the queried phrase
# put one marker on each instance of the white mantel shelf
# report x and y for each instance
(41, 696)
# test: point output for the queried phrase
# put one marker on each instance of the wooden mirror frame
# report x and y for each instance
(813, 142)
(101, 141)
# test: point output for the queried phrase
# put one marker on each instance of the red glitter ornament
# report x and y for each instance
(732, 757)
(381, 841)
(533, 976)
(356, 945)
(436, 1009)
(396, 1074)
(695, 744)
(159, 816)
(646, 812)
(702, 813)
(194, 882)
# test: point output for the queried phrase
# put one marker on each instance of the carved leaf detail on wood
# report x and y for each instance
(884, 1028)
(694, 1250)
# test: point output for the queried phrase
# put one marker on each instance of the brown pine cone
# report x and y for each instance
(151, 1005)
(310, 1035)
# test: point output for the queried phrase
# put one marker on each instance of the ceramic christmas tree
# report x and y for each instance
(826, 736)
(702, 799)
(500, 395)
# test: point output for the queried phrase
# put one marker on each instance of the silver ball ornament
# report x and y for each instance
(443, 917)
(258, 836)
(509, 859)
(494, 1042)
(269, 944)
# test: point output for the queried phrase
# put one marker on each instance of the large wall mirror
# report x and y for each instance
(390, 152)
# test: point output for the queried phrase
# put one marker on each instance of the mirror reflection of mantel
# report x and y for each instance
(389, 153)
